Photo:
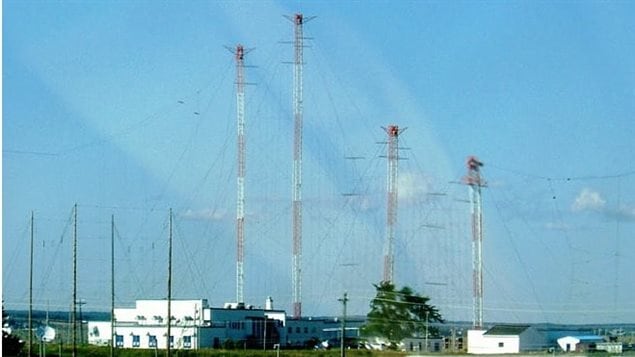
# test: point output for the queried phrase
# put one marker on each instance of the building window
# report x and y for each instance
(306, 330)
(187, 341)
(152, 341)
(297, 329)
(501, 344)
(119, 340)
(290, 330)
(237, 325)
(136, 340)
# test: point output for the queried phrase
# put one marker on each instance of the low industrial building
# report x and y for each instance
(197, 325)
(579, 343)
(306, 332)
(501, 339)
(422, 344)
(610, 347)
(194, 325)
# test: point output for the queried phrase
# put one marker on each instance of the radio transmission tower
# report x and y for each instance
(239, 54)
(297, 166)
(475, 181)
(298, 46)
(391, 206)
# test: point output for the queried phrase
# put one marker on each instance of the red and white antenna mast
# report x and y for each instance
(391, 206)
(239, 54)
(298, 46)
(475, 181)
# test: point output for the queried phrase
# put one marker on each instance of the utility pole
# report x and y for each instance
(264, 334)
(169, 319)
(475, 181)
(31, 291)
(112, 286)
(81, 321)
(393, 132)
(343, 300)
(427, 312)
(74, 312)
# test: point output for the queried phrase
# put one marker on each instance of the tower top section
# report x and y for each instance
(298, 19)
(473, 177)
(392, 130)
(473, 163)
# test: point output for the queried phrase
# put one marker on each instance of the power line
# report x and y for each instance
(565, 178)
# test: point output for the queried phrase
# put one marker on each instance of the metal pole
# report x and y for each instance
(81, 322)
(168, 350)
(426, 331)
(112, 286)
(264, 334)
(74, 312)
(344, 300)
(31, 291)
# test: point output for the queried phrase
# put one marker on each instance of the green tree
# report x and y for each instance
(398, 314)
(11, 344)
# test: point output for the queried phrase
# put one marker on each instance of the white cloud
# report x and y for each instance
(588, 200)
(557, 226)
(206, 214)
(412, 186)
(624, 213)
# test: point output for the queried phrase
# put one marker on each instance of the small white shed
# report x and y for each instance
(579, 343)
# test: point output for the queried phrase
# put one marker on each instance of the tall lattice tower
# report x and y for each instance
(298, 46)
(391, 206)
(475, 181)
(239, 54)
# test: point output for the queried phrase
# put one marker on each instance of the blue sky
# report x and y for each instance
(128, 109)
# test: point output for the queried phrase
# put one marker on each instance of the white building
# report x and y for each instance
(193, 325)
(579, 343)
(610, 347)
(505, 339)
